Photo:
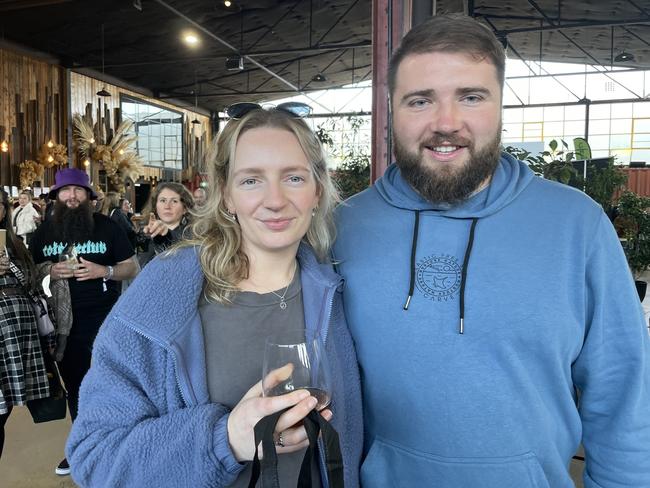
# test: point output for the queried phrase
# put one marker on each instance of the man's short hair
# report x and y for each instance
(452, 33)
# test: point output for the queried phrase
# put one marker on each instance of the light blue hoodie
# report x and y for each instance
(549, 309)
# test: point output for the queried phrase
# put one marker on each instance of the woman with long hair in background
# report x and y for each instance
(22, 369)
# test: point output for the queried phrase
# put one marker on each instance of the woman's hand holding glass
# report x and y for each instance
(253, 407)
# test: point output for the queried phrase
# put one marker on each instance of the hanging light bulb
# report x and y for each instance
(227, 3)
(50, 144)
(4, 146)
(50, 158)
(87, 163)
(92, 140)
(121, 151)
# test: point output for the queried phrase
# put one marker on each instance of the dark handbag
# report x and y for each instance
(54, 406)
(268, 467)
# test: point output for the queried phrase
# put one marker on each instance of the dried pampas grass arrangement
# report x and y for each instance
(117, 157)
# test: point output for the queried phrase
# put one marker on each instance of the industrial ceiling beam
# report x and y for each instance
(276, 52)
(576, 25)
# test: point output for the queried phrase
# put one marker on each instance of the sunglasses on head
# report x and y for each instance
(296, 109)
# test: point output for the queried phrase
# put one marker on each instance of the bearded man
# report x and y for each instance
(98, 255)
(495, 318)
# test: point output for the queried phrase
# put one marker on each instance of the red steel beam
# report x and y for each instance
(391, 19)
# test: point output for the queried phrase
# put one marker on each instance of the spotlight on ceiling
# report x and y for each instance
(623, 57)
(319, 78)
(227, 3)
(191, 39)
(234, 63)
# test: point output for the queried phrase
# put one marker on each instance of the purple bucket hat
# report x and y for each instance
(71, 176)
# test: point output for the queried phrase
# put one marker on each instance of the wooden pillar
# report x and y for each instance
(390, 21)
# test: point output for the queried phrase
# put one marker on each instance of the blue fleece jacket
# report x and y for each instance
(554, 351)
(145, 418)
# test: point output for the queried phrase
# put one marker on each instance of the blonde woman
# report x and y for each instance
(174, 391)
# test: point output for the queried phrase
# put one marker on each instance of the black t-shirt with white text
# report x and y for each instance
(109, 245)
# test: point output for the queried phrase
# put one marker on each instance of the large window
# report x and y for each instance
(159, 131)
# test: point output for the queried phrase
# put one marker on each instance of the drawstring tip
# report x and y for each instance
(461, 328)
(408, 301)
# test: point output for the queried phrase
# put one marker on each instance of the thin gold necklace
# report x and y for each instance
(283, 304)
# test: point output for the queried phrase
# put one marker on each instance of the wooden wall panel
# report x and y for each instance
(31, 101)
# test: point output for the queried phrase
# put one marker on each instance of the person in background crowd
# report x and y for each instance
(127, 208)
(25, 217)
(172, 203)
(99, 201)
(509, 329)
(168, 400)
(115, 213)
(22, 370)
(200, 196)
(98, 256)
(45, 206)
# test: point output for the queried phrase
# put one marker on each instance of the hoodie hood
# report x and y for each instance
(509, 180)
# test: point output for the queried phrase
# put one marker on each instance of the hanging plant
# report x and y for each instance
(54, 155)
(30, 171)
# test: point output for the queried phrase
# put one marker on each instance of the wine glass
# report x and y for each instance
(70, 259)
(293, 362)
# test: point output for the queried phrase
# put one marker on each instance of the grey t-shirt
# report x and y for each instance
(234, 350)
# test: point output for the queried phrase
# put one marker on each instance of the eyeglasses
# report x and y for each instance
(239, 110)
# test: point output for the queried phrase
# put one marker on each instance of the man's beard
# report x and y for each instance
(73, 225)
(447, 183)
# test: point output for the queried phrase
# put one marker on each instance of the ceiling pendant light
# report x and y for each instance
(623, 57)
(103, 92)
(196, 123)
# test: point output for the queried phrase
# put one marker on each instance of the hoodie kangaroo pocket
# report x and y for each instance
(389, 465)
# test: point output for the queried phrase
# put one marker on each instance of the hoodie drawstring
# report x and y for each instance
(414, 247)
(463, 275)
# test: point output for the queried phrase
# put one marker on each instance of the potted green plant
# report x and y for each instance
(603, 183)
(353, 173)
(632, 224)
(552, 164)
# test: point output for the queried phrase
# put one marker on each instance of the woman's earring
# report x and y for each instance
(313, 211)
(232, 216)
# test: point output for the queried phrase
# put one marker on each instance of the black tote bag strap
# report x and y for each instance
(333, 456)
(311, 456)
(268, 467)
(269, 464)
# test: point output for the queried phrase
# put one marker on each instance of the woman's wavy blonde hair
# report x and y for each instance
(218, 234)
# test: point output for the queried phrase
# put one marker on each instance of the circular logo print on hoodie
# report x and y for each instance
(438, 277)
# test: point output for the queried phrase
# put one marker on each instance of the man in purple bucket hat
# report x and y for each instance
(89, 253)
